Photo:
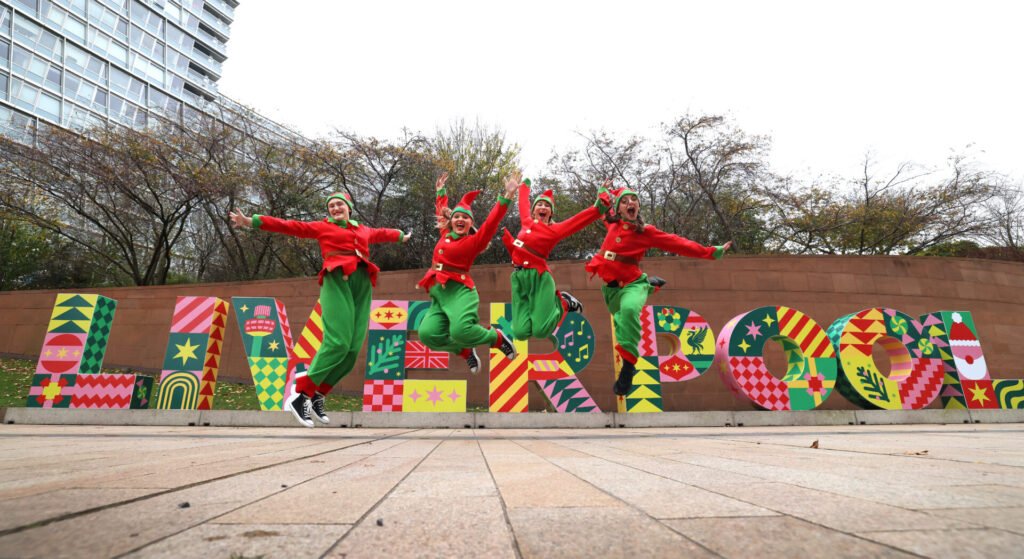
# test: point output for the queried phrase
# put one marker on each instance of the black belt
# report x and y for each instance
(518, 268)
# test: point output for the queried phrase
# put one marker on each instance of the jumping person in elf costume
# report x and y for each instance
(452, 322)
(618, 264)
(346, 282)
(538, 308)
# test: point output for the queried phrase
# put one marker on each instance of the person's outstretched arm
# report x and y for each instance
(303, 229)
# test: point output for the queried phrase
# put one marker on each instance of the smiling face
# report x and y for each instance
(461, 223)
(338, 209)
(629, 207)
(542, 211)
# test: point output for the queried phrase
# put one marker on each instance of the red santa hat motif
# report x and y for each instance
(464, 204)
(966, 349)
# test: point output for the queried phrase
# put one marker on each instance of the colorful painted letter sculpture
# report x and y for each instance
(273, 358)
(937, 356)
(188, 379)
(554, 372)
(692, 350)
(68, 374)
(390, 354)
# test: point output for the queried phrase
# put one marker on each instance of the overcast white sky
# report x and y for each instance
(827, 80)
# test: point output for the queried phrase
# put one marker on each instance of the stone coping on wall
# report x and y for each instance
(484, 420)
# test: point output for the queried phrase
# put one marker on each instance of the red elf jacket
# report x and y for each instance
(454, 254)
(624, 246)
(344, 245)
(536, 239)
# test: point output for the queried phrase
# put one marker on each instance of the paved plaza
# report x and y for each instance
(865, 491)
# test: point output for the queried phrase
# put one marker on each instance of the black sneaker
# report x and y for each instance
(317, 403)
(505, 345)
(625, 380)
(473, 360)
(655, 281)
(298, 404)
(572, 304)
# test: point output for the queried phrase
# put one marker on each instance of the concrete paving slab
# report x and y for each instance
(597, 532)
(512, 492)
(1010, 519)
(253, 540)
(778, 536)
(952, 543)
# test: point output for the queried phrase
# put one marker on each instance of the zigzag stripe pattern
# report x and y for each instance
(104, 391)
(648, 342)
(923, 385)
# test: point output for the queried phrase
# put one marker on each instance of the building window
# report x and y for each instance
(104, 44)
(37, 68)
(147, 44)
(4, 84)
(85, 63)
(5, 53)
(75, 6)
(5, 21)
(34, 100)
(60, 18)
(108, 20)
(27, 6)
(80, 118)
(85, 92)
(128, 86)
(147, 18)
(38, 39)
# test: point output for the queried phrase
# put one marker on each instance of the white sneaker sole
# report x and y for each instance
(295, 414)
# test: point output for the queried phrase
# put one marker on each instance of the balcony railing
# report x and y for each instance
(216, 23)
(211, 41)
(223, 8)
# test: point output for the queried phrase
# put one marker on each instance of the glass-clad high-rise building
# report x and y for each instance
(79, 63)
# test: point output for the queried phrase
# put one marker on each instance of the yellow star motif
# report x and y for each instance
(273, 345)
(186, 351)
(675, 367)
(244, 308)
(62, 353)
(744, 345)
(978, 395)
(768, 320)
(49, 352)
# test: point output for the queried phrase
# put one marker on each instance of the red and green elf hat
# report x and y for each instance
(619, 194)
(343, 196)
(548, 197)
(465, 203)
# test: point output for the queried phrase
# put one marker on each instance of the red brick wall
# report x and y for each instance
(823, 287)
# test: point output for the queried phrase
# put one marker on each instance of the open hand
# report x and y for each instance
(441, 180)
(238, 219)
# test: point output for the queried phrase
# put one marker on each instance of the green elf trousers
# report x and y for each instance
(625, 304)
(452, 321)
(345, 307)
(536, 306)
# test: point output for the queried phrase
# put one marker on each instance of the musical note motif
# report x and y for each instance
(584, 352)
(569, 338)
